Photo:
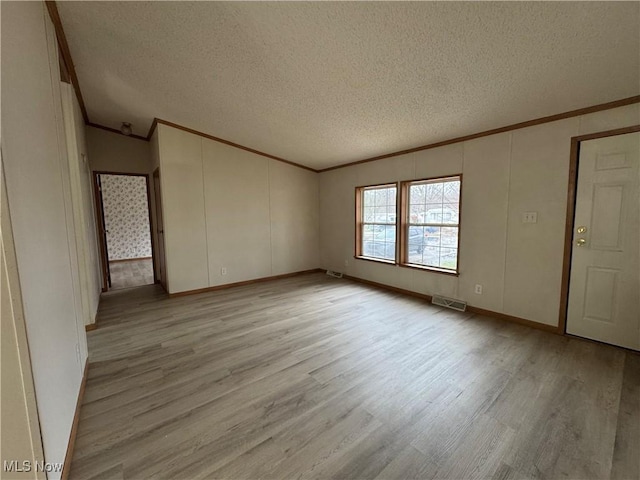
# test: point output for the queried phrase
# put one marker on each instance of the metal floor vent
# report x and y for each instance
(449, 303)
(331, 273)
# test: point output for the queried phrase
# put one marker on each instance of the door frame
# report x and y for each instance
(162, 256)
(571, 210)
(104, 259)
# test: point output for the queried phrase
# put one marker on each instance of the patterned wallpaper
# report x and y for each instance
(126, 216)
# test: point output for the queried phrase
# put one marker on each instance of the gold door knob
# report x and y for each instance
(582, 229)
(581, 242)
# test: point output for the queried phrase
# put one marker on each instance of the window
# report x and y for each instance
(422, 223)
(376, 216)
(431, 223)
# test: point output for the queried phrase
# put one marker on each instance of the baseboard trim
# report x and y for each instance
(74, 427)
(470, 308)
(94, 325)
(403, 291)
(130, 259)
(512, 319)
(245, 282)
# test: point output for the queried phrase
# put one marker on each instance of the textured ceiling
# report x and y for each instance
(326, 83)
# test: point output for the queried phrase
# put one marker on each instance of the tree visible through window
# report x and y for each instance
(432, 223)
(377, 222)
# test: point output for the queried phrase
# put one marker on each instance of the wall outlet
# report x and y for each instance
(346, 263)
(530, 217)
(223, 271)
(478, 289)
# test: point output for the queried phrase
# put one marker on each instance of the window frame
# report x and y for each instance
(359, 223)
(404, 225)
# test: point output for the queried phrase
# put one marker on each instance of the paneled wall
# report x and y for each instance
(238, 220)
(126, 216)
(35, 161)
(231, 215)
(83, 204)
(183, 209)
(19, 414)
(111, 152)
(505, 175)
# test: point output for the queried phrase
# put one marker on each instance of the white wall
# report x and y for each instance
(225, 207)
(183, 209)
(237, 213)
(38, 186)
(83, 204)
(112, 152)
(20, 437)
(504, 175)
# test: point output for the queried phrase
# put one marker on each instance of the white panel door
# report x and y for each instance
(604, 292)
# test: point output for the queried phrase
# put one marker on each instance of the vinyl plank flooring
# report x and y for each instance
(315, 377)
(408, 464)
(626, 454)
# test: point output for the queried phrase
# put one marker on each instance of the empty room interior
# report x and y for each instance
(346, 240)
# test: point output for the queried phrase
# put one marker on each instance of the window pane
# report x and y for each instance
(378, 248)
(451, 192)
(383, 244)
(380, 202)
(433, 213)
(432, 236)
(449, 237)
(367, 248)
(390, 234)
(390, 214)
(368, 215)
(367, 199)
(368, 231)
(431, 257)
(417, 244)
(380, 215)
(390, 251)
(379, 207)
(433, 193)
(386, 214)
(417, 213)
(450, 213)
(416, 194)
(448, 258)
(434, 204)
(381, 196)
(391, 197)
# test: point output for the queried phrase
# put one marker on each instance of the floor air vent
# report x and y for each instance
(331, 273)
(449, 303)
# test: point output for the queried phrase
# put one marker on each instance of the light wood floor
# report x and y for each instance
(315, 377)
(133, 273)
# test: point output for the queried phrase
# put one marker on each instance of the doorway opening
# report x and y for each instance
(124, 209)
(601, 274)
